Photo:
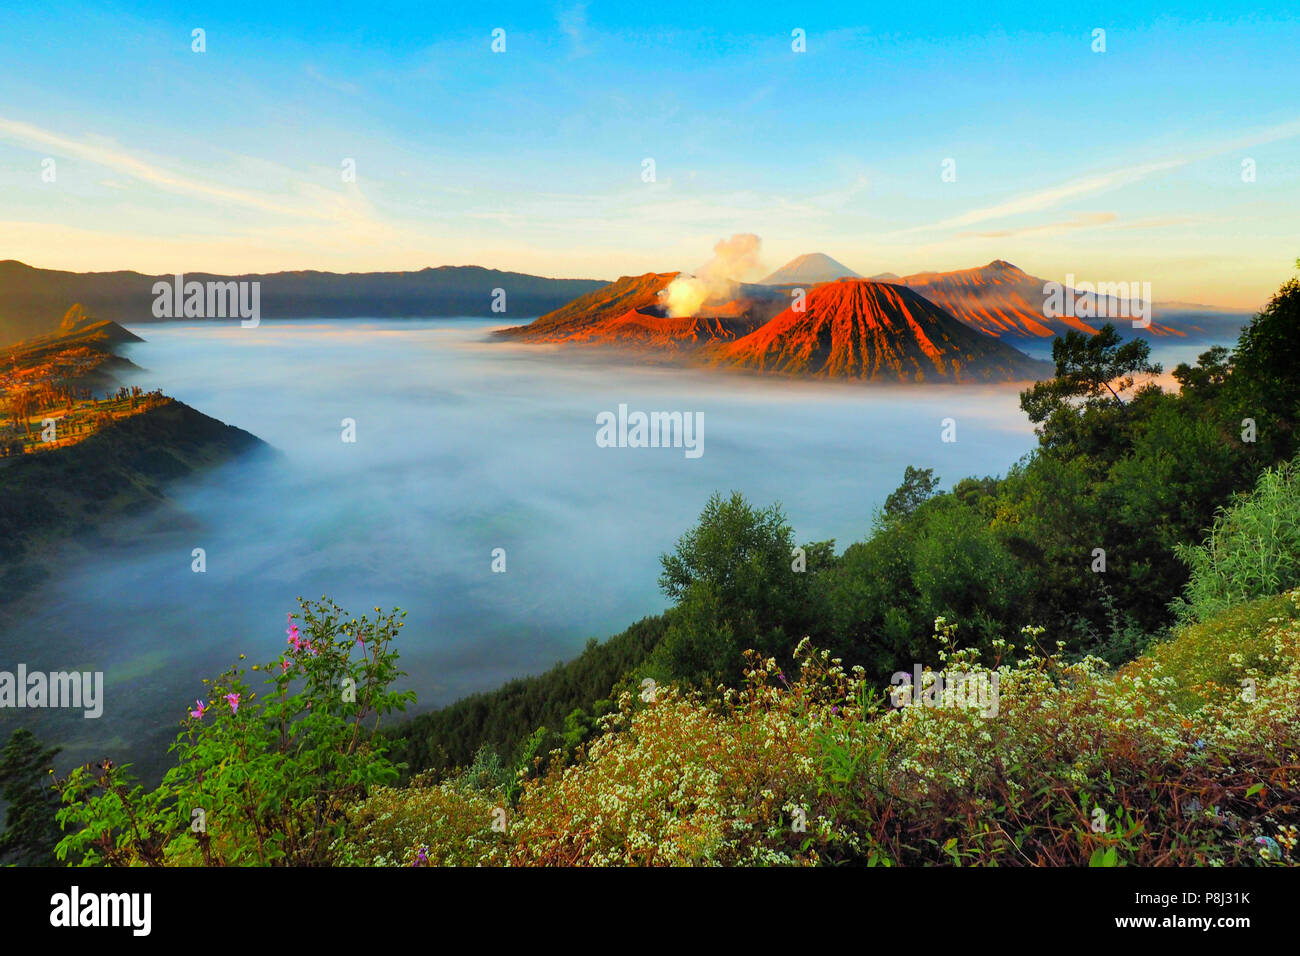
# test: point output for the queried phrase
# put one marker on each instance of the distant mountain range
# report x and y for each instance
(946, 325)
(32, 301)
(1005, 301)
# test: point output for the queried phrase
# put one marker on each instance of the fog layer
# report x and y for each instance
(463, 445)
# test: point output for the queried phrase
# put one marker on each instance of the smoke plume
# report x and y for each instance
(734, 260)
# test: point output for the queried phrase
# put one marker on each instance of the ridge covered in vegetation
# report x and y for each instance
(71, 457)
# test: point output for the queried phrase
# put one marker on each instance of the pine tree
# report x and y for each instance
(31, 831)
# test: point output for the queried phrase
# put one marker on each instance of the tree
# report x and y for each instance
(31, 830)
(1264, 384)
(1091, 367)
(919, 485)
(1202, 382)
(1083, 411)
(738, 586)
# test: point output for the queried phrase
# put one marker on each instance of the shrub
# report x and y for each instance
(425, 824)
(1081, 767)
(1253, 549)
(1076, 766)
(258, 781)
(1212, 659)
(674, 781)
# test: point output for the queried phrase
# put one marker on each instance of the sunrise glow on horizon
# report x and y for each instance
(893, 141)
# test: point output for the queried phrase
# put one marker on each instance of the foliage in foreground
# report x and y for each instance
(1190, 755)
(259, 779)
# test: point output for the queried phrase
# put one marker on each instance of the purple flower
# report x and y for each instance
(199, 709)
(295, 639)
(233, 701)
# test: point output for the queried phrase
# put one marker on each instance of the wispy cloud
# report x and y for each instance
(1043, 200)
(339, 86)
(573, 23)
(115, 158)
(1086, 220)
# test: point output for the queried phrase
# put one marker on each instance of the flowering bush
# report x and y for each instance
(1083, 767)
(1156, 764)
(425, 824)
(677, 781)
(258, 780)
(1188, 755)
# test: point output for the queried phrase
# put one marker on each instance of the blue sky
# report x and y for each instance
(1122, 165)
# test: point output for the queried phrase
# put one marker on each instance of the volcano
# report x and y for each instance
(630, 314)
(588, 317)
(864, 330)
(1006, 301)
(809, 269)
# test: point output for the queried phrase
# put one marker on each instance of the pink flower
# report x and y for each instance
(294, 639)
(233, 701)
(284, 665)
(199, 709)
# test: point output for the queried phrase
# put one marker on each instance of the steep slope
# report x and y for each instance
(859, 329)
(1002, 300)
(80, 352)
(630, 313)
(587, 317)
(65, 495)
(810, 268)
(79, 327)
(109, 454)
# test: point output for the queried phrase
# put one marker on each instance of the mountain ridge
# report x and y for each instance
(1002, 299)
(33, 300)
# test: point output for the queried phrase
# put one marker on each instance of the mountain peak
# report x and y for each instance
(75, 316)
(810, 267)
